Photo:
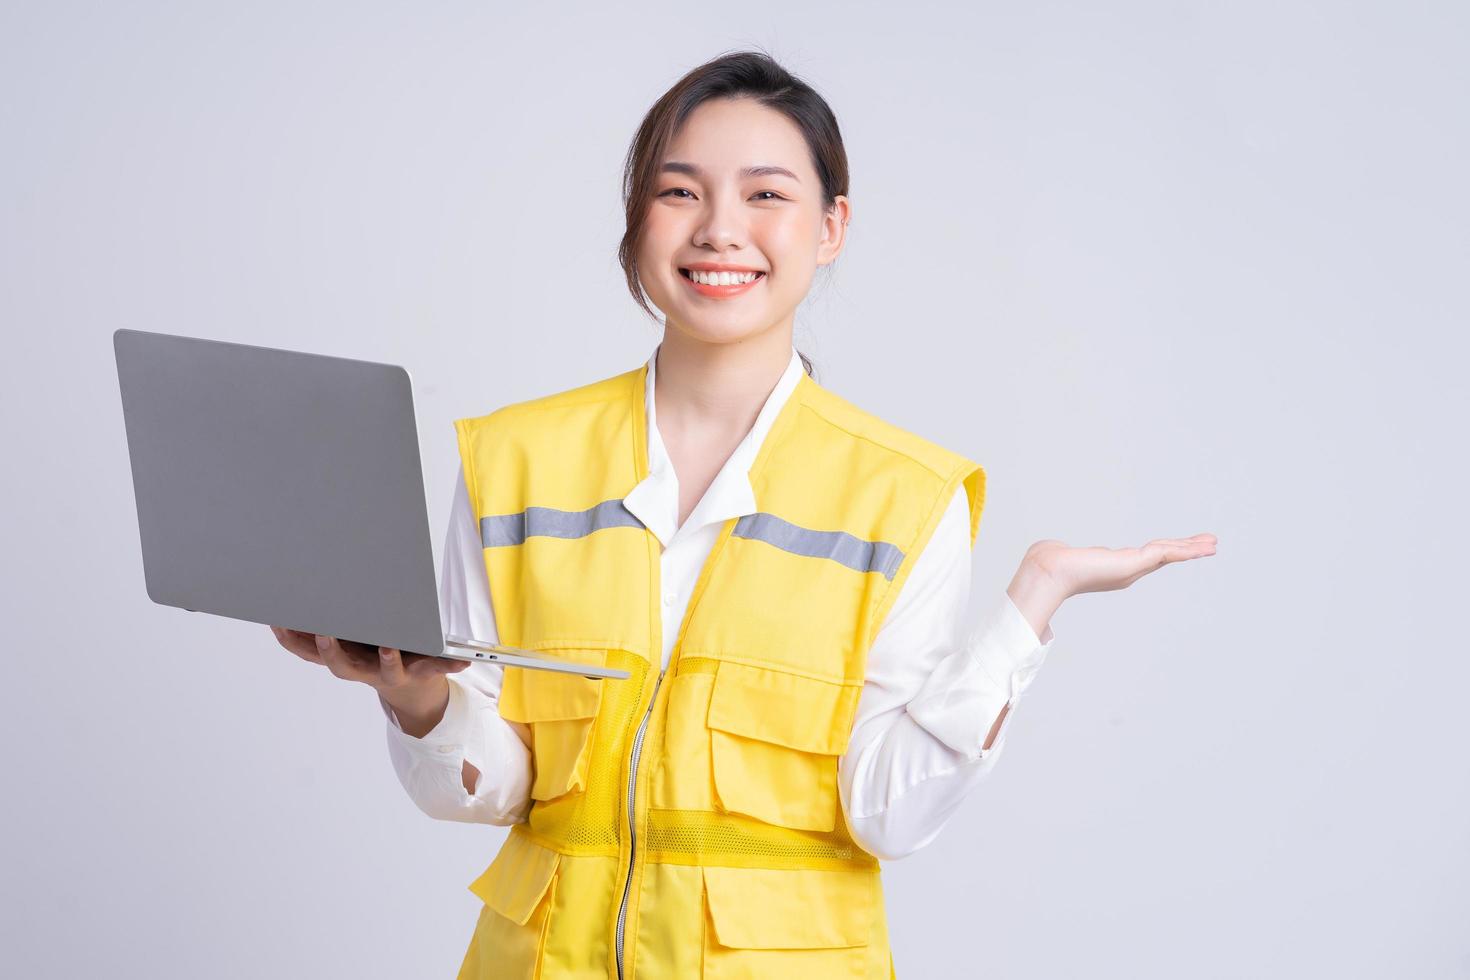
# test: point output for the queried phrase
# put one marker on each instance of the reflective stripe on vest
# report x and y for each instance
(499, 530)
(503, 529)
(841, 547)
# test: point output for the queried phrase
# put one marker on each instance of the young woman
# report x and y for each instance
(784, 575)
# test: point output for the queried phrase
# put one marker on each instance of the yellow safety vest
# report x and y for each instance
(685, 822)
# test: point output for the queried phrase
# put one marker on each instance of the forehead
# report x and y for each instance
(722, 135)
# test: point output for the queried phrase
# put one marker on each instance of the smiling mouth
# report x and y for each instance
(721, 278)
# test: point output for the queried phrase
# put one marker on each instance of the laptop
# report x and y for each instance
(285, 488)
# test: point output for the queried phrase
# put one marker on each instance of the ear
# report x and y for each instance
(834, 230)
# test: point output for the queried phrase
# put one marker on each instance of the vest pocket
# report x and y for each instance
(518, 889)
(775, 738)
(777, 923)
(560, 709)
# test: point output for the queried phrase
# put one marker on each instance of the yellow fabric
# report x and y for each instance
(517, 879)
(561, 709)
(732, 848)
(766, 908)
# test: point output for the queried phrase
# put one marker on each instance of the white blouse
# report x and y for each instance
(931, 694)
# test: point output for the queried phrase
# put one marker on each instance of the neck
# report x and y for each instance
(717, 388)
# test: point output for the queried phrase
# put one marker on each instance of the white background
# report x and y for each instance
(1161, 267)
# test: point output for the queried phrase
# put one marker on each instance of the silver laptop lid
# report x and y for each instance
(280, 487)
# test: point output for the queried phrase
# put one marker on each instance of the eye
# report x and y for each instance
(674, 190)
(774, 196)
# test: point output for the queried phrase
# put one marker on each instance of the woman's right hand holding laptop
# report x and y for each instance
(412, 684)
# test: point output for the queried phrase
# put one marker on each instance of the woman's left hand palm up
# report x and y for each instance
(1073, 571)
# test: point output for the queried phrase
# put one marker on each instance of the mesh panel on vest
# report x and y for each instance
(731, 839)
(697, 665)
(587, 822)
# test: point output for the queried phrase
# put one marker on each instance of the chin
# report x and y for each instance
(717, 330)
(716, 326)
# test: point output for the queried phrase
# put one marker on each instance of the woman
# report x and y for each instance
(783, 574)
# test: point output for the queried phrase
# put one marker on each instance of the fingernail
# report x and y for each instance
(321, 642)
(385, 653)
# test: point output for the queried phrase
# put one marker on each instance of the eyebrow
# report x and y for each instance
(760, 170)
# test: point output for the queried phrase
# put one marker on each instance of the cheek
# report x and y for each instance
(787, 236)
(661, 234)
(789, 242)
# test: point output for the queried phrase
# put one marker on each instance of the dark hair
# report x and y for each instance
(752, 74)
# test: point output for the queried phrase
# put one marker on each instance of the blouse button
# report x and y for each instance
(669, 598)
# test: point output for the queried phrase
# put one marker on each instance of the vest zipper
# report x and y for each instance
(632, 817)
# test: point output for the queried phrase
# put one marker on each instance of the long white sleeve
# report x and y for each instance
(931, 695)
(431, 768)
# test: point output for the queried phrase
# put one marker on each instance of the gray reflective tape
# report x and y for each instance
(854, 552)
(502, 529)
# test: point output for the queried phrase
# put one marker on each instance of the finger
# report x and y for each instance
(299, 643)
(328, 654)
(1197, 541)
(1173, 551)
(1195, 546)
(390, 667)
(1204, 537)
(341, 663)
(1160, 552)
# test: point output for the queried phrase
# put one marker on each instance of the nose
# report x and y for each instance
(722, 225)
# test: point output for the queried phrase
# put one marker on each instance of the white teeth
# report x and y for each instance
(722, 278)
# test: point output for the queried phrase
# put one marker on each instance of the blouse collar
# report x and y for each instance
(655, 500)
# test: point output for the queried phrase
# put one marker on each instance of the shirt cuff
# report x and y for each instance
(1008, 649)
(446, 740)
(959, 702)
